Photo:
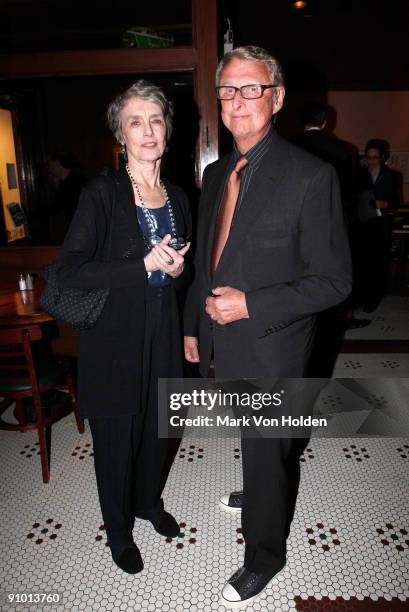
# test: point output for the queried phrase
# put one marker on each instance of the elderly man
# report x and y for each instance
(271, 253)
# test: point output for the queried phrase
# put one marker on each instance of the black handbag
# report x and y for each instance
(77, 308)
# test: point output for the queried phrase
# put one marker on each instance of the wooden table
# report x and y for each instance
(22, 307)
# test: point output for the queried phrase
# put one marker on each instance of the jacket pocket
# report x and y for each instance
(268, 238)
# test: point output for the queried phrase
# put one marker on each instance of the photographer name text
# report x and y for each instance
(246, 421)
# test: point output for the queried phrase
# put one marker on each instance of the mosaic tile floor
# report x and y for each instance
(371, 365)
(390, 321)
(348, 548)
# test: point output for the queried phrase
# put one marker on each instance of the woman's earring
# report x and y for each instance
(123, 151)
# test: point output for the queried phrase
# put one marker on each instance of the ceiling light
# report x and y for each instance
(298, 4)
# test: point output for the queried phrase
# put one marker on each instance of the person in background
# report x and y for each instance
(271, 252)
(64, 168)
(332, 323)
(379, 196)
(137, 339)
(329, 148)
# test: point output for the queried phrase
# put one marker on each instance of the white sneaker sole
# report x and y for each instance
(223, 503)
(231, 605)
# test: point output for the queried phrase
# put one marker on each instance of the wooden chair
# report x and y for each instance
(22, 376)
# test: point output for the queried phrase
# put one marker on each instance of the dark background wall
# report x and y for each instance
(331, 47)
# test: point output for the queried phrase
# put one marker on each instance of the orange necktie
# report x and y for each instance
(226, 212)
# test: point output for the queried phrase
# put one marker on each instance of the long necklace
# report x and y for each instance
(174, 242)
(135, 184)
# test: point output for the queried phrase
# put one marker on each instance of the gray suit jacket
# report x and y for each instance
(287, 250)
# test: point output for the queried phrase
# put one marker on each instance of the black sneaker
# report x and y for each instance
(232, 502)
(244, 587)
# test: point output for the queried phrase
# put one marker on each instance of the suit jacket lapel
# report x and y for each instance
(212, 198)
(264, 181)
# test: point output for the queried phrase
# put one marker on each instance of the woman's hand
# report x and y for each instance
(163, 257)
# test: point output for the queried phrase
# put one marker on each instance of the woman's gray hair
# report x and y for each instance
(250, 53)
(146, 91)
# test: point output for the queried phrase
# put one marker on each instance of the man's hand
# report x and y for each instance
(191, 346)
(229, 305)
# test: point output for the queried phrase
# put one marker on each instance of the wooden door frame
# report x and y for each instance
(200, 59)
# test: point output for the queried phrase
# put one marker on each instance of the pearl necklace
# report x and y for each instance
(174, 242)
(135, 184)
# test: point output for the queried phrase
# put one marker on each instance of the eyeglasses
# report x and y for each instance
(248, 92)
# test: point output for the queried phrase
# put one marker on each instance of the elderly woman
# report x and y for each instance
(128, 235)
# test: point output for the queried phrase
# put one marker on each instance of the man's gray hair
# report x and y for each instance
(250, 53)
(146, 91)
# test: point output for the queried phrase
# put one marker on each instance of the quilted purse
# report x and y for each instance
(77, 308)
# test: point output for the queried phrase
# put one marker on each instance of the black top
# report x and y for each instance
(111, 352)
(159, 220)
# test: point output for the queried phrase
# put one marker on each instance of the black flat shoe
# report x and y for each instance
(163, 522)
(166, 525)
(245, 586)
(358, 323)
(129, 559)
(370, 306)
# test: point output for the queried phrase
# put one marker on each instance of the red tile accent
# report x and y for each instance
(350, 605)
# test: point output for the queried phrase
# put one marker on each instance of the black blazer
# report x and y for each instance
(110, 353)
(287, 250)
